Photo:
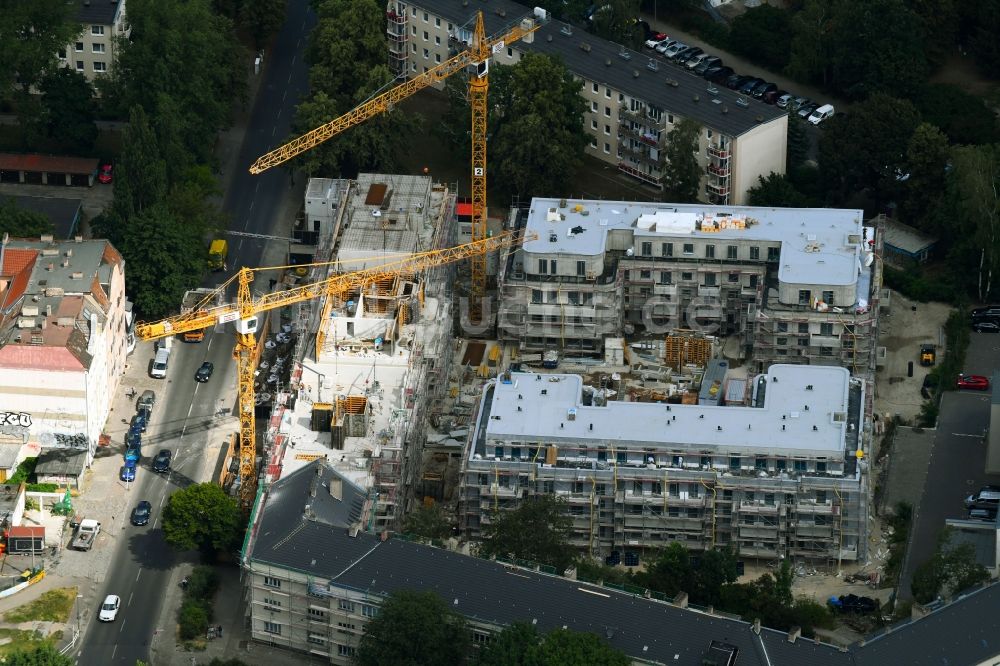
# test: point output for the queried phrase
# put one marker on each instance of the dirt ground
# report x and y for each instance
(960, 71)
(903, 327)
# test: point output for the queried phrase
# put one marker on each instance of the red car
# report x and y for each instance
(104, 176)
(973, 382)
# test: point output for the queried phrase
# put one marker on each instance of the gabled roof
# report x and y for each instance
(97, 12)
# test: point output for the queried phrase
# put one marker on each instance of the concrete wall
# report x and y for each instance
(758, 153)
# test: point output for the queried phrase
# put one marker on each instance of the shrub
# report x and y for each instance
(202, 584)
(193, 620)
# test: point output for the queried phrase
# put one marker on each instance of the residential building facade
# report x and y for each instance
(92, 52)
(634, 100)
(63, 340)
(794, 285)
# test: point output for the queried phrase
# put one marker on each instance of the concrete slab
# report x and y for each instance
(908, 462)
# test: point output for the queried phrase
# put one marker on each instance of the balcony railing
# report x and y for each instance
(720, 189)
(718, 153)
(393, 17)
(720, 171)
(636, 173)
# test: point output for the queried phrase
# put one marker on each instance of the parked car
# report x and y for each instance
(986, 326)
(852, 603)
(109, 609)
(986, 311)
(986, 497)
(706, 64)
(204, 373)
(127, 472)
(687, 54)
(674, 49)
(663, 46)
(750, 84)
(988, 515)
(718, 74)
(784, 100)
(161, 463)
(133, 438)
(807, 109)
(772, 96)
(104, 176)
(697, 60)
(821, 114)
(760, 89)
(655, 40)
(799, 102)
(139, 421)
(133, 452)
(146, 400)
(140, 514)
(972, 382)
(928, 386)
(736, 80)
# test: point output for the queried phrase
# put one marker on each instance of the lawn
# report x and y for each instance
(23, 641)
(53, 606)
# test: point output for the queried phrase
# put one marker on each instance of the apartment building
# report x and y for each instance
(794, 285)
(634, 99)
(314, 576)
(92, 53)
(63, 340)
(775, 478)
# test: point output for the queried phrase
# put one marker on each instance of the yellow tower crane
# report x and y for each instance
(244, 316)
(477, 55)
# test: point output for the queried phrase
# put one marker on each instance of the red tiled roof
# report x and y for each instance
(39, 357)
(27, 531)
(25, 262)
(51, 163)
(16, 259)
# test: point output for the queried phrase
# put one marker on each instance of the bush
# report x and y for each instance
(914, 284)
(193, 620)
(202, 585)
(42, 487)
(24, 471)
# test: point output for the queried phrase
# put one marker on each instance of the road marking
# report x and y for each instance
(289, 79)
(114, 651)
(140, 570)
(251, 206)
(162, 500)
(257, 186)
(279, 114)
(963, 434)
(209, 343)
(191, 408)
(123, 626)
(273, 130)
(284, 95)
(130, 599)
(293, 62)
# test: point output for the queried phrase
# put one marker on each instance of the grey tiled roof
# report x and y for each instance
(96, 12)
(631, 77)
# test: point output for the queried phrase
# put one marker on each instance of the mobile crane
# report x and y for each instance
(477, 55)
(244, 313)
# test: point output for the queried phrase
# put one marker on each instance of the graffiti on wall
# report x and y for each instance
(15, 424)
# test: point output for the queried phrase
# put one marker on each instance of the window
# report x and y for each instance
(804, 296)
(272, 604)
(734, 462)
(97, 30)
(621, 457)
(647, 249)
(755, 253)
(607, 148)
(593, 125)
(552, 265)
(782, 341)
(688, 248)
(760, 463)
(272, 628)
(734, 277)
(687, 277)
(79, 65)
(709, 279)
(607, 111)
(667, 250)
(670, 118)
(826, 329)
(437, 58)
(99, 66)
(782, 327)
(498, 451)
(773, 254)
(710, 252)
(693, 490)
(803, 327)
(593, 107)
(645, 275)
(595, 87)
(271, 581)
(753, 281)
(732, 252)
(346, 605)
(316, 638)
(62, 54)
(666, 277)
(799, 465)
(607, 92)
(427, 54)
(78, 47)
(317, 613)
(821, 467)
(425, 17)
(593, 144)
(551, 297)
(607, 130)
(543, 266)
(97, 48)
(345, 650)
(536, 295)
(803, 342)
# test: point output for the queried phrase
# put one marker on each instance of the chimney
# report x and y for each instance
(756, 626)
(337, 488)
(77, 239)
(794, 633)
(681, 600)
(69, 252)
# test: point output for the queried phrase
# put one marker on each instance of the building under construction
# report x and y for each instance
(768, 466)
(368, 360)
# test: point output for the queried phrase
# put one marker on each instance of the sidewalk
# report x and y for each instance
(744, 67)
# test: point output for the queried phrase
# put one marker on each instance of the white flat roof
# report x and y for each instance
(815, 247)
(805, 409)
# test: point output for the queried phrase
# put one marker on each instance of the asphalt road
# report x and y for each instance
(958, 459)
(182, 421)
(186, 411)
(253, 203)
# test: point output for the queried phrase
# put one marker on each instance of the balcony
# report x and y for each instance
(718, 189)
(722, 171)
(636, 173)
(758, 508)
(394, 18)
(649, 139)
(710, 291)
(660, 289)
(639, 116)
(826, 508)
(718, 153)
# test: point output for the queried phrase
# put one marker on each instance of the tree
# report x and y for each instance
(510, 647)
(20, 223)
(68, 113)
(31, 34)
(201, 516)
(141, 174)
(975, 205)
(615, 20)
(44, 655)
(715, 568)
(537, 530)
(763, 34)
(671, 572)
(964, 117)
(811, 44)
(429, 522)
(927, 158)
(535, 127)
(339, 60)
(263, 18)
(682, 175)
(798, 142)
(867, 149)
(938, 21)
(775, 191)
(414, 629)
(522, 645)
(982, 21)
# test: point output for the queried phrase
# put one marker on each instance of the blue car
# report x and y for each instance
(139, 421)
(133, 438)
(133, 453)
(127, 472)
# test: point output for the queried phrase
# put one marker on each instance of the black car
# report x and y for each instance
(988, 311)
(750, 84)
(759, 91)
(161, 463)
(204, 373)
(986, 326)
(704, 65)
(736, 80)
(852, 603)
(718, 74)
(140, 514)
(687, 54)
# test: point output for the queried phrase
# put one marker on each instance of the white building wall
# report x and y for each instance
(56, 401)
(756, 154)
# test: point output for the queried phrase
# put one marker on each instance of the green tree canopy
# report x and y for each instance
(927, 156)
(536, 131)
(68, 110)
(563, 647)
(44, 655)
(201, 516)
(763, 34)
(339, 60)
(141, 173)
(20, 223)
(429, 522)
(31, 34)
(952, 569)
(616, 20)
(963, 117)
(682, 175)
(414, 629)
(537, 530)
(775, 191)
(263, 18)
(867, 148)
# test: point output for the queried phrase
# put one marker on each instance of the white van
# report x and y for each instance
(821, 114)
(159, 369)
(164, 344)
